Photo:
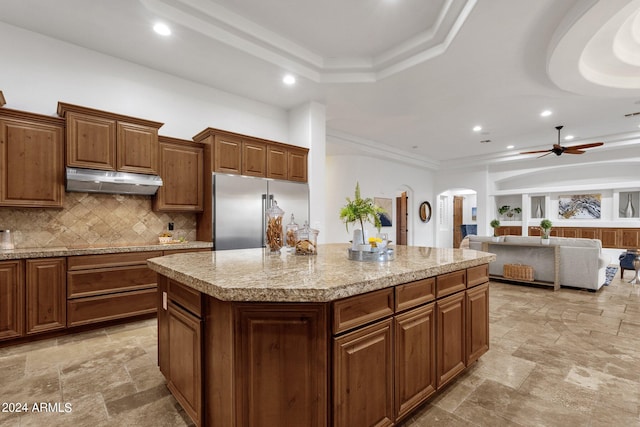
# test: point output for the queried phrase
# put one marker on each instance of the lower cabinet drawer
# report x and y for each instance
(82, 311)
(86, 283)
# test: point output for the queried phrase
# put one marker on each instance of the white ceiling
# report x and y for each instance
(400, 76)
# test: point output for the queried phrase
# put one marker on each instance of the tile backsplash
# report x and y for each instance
(90, 219)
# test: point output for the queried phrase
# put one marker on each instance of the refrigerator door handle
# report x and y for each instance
(264, 218)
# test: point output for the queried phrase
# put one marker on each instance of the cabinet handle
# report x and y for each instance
(164, 300)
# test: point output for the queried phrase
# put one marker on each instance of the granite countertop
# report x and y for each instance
(256, 275)
(92, 250)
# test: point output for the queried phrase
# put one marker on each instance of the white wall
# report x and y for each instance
(38, 71)
(377, 178)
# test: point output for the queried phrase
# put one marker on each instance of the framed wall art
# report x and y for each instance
(579, 206)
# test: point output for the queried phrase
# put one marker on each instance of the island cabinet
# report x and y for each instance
(365, 360)
(31, 160)
(108, 141)
(181, 170)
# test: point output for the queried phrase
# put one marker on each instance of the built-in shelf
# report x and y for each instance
(628, 204)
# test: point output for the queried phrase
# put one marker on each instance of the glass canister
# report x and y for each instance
(292, 227)
(306, 240)
(6, 240)
(274, 228)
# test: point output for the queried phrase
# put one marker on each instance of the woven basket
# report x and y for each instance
(518, 272)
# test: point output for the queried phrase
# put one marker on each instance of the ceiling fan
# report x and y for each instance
(559, 149)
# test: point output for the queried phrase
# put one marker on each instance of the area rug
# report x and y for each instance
(610, 274)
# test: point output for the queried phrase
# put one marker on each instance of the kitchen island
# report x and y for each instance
(246, 338)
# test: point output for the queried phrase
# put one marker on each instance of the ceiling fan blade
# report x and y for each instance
(583, 146)
(545, 154)
(536, 152)
(573, 151)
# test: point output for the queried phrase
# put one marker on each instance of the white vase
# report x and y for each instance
(629, 211)
(538, 211)
(545, 241)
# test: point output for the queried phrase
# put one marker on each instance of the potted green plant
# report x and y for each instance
(545, 229)
(495, 224)
(504, 210)
(361, 210)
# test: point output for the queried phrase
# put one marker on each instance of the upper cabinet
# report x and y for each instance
(181, 170)
(244, 155)
(107, 141)
(31, 160)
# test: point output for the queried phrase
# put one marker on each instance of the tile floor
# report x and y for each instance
(569, 358)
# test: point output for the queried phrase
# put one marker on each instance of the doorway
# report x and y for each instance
(401, 218)
(458, 202)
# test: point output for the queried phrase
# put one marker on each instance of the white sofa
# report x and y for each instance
(582, 264)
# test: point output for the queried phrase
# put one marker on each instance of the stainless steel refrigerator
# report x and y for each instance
(240, 204)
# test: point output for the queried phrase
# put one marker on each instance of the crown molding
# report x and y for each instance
(216, 22)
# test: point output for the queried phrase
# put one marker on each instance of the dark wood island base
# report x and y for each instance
(365, 360)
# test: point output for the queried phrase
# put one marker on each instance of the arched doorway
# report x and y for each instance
(456, 215)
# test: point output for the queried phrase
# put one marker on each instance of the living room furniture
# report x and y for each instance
(543, 258)
(581, 263)
(626, 260)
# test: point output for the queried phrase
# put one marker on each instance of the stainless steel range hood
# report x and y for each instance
(98, 181)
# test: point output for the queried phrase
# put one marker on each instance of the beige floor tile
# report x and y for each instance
(566, 358)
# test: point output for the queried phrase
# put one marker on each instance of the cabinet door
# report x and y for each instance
(297, 165)
(91, 142)
(163, 325)
(254, 158)
(185, 360)
(181, 170)
(276, 162)
(450, 338)
(137, 148)
(415, 361)
(630, 238)
(46, 294)
(31, 163)
(570, 232)
(610, 237)
(590, 233)
(227, 156)
(477, 317)
(363, 377)
(281, 367)
(11, 299)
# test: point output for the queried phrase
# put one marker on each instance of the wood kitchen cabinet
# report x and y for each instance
(297, 164)
(277, 162)
(108, 141)
(109, 286)
(45, 295)
(12, 302)
(180, 344)
(363, 362)
(415, 358)
(254, 158)
(182, 173)
(477, 322)
(450, 344)
(31, 160)
(185, 359)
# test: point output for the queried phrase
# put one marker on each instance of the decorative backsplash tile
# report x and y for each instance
(90, 219)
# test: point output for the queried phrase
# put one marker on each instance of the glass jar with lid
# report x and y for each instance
(292, 227)
(273, 237)
(306, 240)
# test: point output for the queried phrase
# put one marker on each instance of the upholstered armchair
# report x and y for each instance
(626, 260)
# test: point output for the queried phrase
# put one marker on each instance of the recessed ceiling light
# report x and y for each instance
(545, 113)
(477, 128)
(569, 137)
(509, 147)
(162, 29)
(289, 79)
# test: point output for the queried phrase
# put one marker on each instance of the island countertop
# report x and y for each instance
(256, 275)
